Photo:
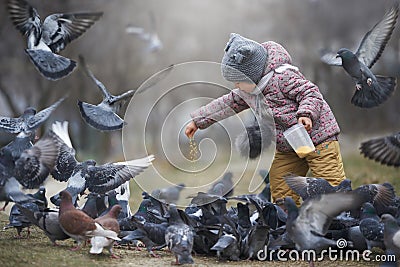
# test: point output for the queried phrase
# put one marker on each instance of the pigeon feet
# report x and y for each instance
(113, 256)
(152, 254)
(75, 248)
(358, 87)
(369, 81)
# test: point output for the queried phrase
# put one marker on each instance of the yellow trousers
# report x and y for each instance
(325, 162)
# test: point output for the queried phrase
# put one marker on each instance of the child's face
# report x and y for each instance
(245, 86)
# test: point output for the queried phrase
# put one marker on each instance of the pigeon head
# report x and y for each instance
(66, 201)
(368, 209)
(114, 211)
(388, 219)
(29, 112)
(344, 53)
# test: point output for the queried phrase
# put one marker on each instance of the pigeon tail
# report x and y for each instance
(376, 94)
(98, 243)
(50, 65)
(100, 231)
(100, 118)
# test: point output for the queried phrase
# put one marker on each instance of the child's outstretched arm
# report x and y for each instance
(218, 109)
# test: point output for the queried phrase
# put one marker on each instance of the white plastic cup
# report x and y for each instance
(299, 140)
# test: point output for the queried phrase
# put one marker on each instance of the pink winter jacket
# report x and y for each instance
(289, 95)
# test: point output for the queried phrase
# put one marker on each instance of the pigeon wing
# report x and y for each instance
(24, 16)
(35, 163)
(374, 42)
(42, 115)
(103, 178)
(100, 116)
(318, 213)
(385, 150)
(11, 125)
(64, 28)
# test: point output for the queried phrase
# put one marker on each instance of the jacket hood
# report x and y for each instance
(277, 55)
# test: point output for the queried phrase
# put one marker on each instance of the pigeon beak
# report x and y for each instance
(337, 55)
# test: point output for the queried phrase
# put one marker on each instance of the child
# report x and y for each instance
(292, 99)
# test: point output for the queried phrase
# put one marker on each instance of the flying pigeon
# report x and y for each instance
(78, 225)
(108, 222)
(168, 194)
(154, 43)
(35, 164)
(179, 237)
(308, 225)
(371, 90)
(385, 150)
(103, 116)
(310, 187)
(391, 234)
(47, 38)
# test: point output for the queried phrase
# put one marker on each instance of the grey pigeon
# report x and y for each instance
(227, 248)
(154, 43)
(391, 234)
(29, 121)
(308, 224)
(18, 220)
(385, 150)
(49, 37)
(66, 161)
(310, 187)
(179, 237)
(371, 90)
(382, 196)
(371, 227)
(35, 164)
(168, 194)
(46, 220)
(103, 116)
(223, 187)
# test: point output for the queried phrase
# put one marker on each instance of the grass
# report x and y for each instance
(37, 250)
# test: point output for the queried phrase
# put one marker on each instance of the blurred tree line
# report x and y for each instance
(193, 30)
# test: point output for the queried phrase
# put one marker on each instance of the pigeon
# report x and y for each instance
(308, 224)
(18, 220)
(310, 187)
(91, 204)
(28, 122)
(103, 116)
(223, 187)
(103, 178)
(381, 196)
(154, 43)
(227, 248)
(45, 39)
(385, 150)
(123, 195)
(370, 226)
(168, 194)
(66, 161)
(47, 220)
(108, 222)
(371, 90)
(78, 225)
(35, 164)
(151, 234)
(391, 234)
(179, 237)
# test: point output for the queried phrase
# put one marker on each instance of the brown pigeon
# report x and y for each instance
(108, 222)
(77, 224)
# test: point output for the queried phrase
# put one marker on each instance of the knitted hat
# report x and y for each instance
(244, 59)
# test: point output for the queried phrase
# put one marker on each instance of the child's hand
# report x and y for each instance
(307, 122)
(191, 128)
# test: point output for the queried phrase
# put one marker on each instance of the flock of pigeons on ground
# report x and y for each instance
(368, 215)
